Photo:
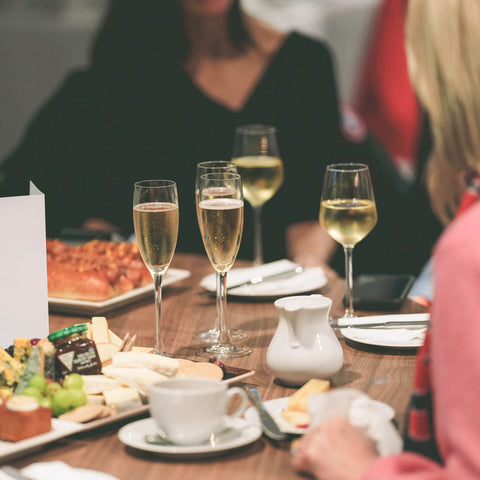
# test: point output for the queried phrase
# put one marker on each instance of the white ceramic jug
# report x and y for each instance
(304, 345)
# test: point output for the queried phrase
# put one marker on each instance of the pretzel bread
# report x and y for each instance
(95, 271)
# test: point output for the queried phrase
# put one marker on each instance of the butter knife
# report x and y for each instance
(294, 270)
(13, 472)
(270, 428)
(382, 324)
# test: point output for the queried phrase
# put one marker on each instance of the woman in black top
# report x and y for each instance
(158, 98)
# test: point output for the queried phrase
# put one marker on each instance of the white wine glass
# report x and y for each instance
(221, 224)
(348, 213)
(215, 166)
(256, 155)
(155, 218)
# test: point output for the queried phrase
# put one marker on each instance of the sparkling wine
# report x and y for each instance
(261, 175)
(156, 229)
(348, 220)
(221, 223)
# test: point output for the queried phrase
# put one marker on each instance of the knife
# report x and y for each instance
(382, 324)
(294, 270)
(13, 472)
(270, 428)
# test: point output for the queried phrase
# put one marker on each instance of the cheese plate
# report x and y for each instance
(64, 428)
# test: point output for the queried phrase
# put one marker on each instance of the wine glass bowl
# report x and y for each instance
(155, 219)
(256, 154)
(348, 213)
(221, 224)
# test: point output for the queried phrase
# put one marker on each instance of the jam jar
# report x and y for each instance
(75, 352)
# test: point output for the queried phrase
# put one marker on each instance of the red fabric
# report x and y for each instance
(385, 99)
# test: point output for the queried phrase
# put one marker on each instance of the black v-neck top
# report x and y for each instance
(98, 135)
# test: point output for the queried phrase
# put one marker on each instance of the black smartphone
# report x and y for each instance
(381, 291)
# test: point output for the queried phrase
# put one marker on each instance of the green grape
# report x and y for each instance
(74, 380)
(52, 388)
(61, 402)
(38, 381)
(79, 397)
(45, 402)
(32, 392)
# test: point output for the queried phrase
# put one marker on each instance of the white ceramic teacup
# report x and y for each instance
(188, 410)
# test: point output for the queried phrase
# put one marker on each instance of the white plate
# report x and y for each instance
(310, 280)
(241, 432)
(395, 337)
(83, 307)
(275, 408)
(60, 429)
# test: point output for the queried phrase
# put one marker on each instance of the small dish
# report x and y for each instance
(275, 408)
(239, 433)
(309, 280)
(392, 337)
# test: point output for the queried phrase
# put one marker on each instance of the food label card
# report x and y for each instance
(23, 267)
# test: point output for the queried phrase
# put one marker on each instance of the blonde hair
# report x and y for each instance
(443, 41)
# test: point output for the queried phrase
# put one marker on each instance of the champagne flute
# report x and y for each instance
(221, 224)
(348, 213)
(155, 218)
(256, 155)
(216, 166)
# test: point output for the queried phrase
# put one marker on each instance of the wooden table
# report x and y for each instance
(384, 375)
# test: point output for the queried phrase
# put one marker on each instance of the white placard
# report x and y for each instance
(23, 267)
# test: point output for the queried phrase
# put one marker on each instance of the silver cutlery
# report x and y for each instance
(294, 270)
(270, 428)
(382, 324)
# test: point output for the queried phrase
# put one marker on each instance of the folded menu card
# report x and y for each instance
(23, 267)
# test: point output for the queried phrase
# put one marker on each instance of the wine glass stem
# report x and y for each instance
(257, 235)
(159, 345)
(218, 281)
(223, 337)
(349, 281)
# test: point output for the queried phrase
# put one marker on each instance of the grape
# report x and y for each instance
(32, 392)
(38, 381)
(52, 388)
(78, 396)
(61, 402)
(74, 380)
(45, 402)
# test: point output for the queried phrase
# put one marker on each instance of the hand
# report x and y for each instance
(335, 451)
(99, 224)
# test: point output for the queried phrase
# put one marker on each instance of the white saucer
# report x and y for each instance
(392, 337)
(240, 432)
(309, 280)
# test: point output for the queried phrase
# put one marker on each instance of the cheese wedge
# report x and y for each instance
(299, 400)
(122, 399)
(158, 363)
(140, 379)
(100, 330)
(96, 384)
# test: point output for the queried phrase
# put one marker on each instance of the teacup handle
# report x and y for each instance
(231, 392)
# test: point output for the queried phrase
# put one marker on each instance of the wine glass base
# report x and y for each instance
(225, 350)
(212, 335)
(163, 353)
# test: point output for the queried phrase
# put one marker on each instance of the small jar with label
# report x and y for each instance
(75, 352)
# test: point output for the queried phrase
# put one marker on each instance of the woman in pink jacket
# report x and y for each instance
(443, 433)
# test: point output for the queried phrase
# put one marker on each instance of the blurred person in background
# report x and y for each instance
(443, 428)
(168, 83)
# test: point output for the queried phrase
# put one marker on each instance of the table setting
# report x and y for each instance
(215, 367)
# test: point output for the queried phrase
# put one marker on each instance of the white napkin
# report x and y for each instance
(398, 334)
(58, 469)
(308, 280)
(361, 411)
